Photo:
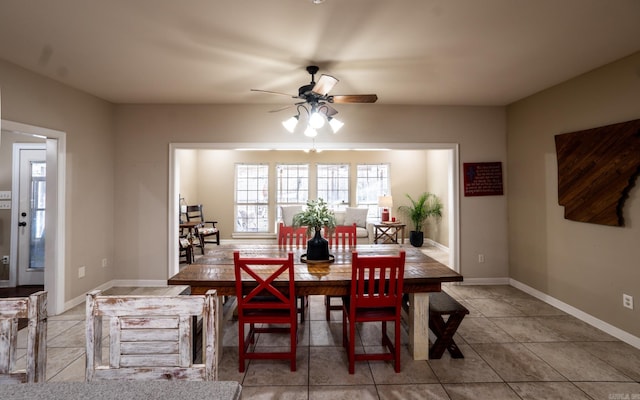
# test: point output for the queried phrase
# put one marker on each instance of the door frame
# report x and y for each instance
(15, 204)
(453, 178)
(55, 221)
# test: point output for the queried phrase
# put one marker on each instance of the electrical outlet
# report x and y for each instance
(627, 301)
(5, 260)
(104, 262)
(5, 194)
(480, 258)
(5, 204)
(82, 271)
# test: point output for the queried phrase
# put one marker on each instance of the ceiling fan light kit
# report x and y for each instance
(316, 102)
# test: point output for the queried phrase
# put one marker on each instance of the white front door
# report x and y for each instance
(31, 215)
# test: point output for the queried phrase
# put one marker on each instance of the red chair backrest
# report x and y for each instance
(377, 281)
(341, 235)
(288, 235)
(262, 273)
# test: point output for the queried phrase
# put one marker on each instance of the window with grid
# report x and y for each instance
(252, 198)
(372, 181)
(333, 185)
(292, 186)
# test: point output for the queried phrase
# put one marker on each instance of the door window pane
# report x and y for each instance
(38, 202)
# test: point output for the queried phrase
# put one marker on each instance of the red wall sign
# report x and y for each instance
(483, 179)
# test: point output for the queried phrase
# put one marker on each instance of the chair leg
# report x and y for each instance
(352, 347)
(294, 342)
(302, 310)
(344, 329)
(241, 348)
(202, 244)
(327, 307)
(397, 347)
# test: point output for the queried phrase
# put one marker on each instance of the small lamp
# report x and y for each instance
(385, 202)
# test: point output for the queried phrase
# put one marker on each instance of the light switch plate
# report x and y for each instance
(5, 204)
(5, 194)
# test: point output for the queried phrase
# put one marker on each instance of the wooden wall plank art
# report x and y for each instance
(596, 170)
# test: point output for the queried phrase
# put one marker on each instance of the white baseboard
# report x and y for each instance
(581, 315)
(80, 299)
(108, 285)
(484, 281)
(433, 243)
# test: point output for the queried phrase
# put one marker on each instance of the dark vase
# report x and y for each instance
(416, 238)
(317, 247)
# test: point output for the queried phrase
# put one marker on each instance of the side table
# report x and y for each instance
(388, 232)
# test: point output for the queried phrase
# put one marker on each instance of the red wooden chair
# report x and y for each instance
(376, 295)
(341, 235)
(261, 303)
(288, 237)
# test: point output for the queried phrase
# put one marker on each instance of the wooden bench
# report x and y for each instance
(441, 304)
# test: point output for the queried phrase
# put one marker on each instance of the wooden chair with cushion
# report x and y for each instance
(205, 229)
(186, 250)
(34, 309)
(375, 296)
(151, 337)
(261, 304)
(342, 235)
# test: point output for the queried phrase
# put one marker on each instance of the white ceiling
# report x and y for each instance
(445, 52)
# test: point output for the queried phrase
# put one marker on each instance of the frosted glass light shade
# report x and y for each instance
(291, 123)
(316, 120)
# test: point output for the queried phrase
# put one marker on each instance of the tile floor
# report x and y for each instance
(515, 347)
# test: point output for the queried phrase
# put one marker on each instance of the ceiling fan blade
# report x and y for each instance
(354, 98)
(324, 85)
(287, 107)
(282, 108)
(272, 92)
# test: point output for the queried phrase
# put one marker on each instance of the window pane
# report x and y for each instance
(333, 184)
(372, 181)
(252, 198)
(292, 185)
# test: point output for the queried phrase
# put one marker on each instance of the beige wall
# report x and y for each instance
(214, 176)
(438, 184)
(145, 131)
(128, 171)
(88, 122)
(585, 265)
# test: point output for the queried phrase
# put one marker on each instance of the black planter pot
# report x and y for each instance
(416, 238)
(317, 248)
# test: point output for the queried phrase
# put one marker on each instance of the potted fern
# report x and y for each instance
(315, 216)
(424, 207)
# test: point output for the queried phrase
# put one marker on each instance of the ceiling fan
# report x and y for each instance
(316, 96)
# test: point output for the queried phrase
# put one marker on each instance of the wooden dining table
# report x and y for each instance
(422, 275)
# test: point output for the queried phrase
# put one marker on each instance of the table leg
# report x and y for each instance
(419, 325)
